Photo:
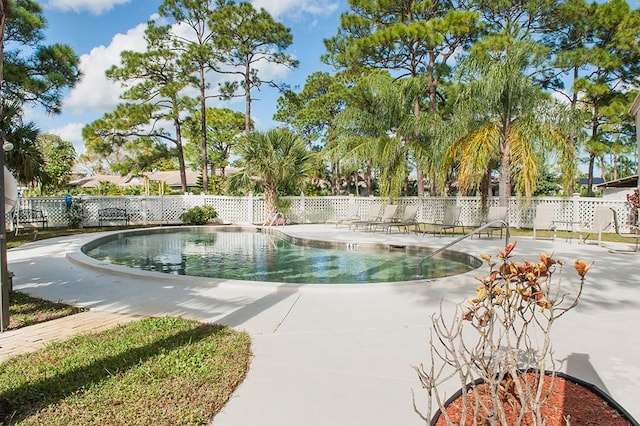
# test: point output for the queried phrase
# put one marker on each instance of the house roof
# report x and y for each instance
(171, 178)
(596, 181)
(95, 180)
(626, 182)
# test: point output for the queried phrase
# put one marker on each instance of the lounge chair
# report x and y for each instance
(451, 221)
(352, 214)
(388, 215)
(408, 218)
(635, 233)
(494, 215)
(375, 211)
(601, 222)
(545, 215)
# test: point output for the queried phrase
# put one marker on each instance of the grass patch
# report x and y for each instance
(26, 310)
(542, 234)
(157, 371)
(29, 235)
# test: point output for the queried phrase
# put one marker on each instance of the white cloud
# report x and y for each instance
(35, 114)
(278, 8)
(71, 132)
(96, 92)
(270, 71)
(561, 97)
(94, 6)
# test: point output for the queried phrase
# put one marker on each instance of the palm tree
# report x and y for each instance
(505, 120)
(382, 128)
(25, 159)
(373, 128)
(274, 161)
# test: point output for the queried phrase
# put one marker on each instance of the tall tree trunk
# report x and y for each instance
(335, 172)
(590, 171)
(270, 196)
(485, 187)
(433, 108)
(203, 125)
(4, 273)
(419, 168)
(420, 179)
(181, 163)
(405, 184)
(4, 4)
(592, 156)
(505, 177)
(369, 186)
(572, 136)
(247, 99)
(504, 189)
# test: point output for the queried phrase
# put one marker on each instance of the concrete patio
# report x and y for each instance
(343, 354)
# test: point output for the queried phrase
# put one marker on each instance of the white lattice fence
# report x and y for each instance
(334, 207)
(297, 211)
(321, 209)
(522, 211)
(363, 205)
(259, 210)
(230, 209)
(92, 205)
(564, 209)
(428, 209)
(54, 208)
(167, 209)
(405, 202)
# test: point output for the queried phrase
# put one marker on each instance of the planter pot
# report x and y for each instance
(571, 397)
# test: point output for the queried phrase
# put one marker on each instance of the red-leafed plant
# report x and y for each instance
(634, 198)
(503, 332)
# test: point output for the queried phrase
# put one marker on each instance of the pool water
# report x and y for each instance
(264, 257)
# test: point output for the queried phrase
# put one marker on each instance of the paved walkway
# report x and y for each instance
(343, 354)
(34, 337)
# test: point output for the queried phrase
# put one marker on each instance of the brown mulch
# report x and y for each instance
(568, 400)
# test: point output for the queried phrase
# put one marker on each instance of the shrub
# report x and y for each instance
(199, 215)
(510, 322)
(75, 214)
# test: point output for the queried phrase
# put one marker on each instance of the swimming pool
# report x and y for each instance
(238, 254)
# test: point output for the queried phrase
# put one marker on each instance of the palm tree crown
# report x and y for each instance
(502, 120)
(273, 161)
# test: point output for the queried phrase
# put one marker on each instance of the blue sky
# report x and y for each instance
(98, 30)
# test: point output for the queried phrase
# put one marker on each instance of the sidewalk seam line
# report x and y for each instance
(287, 314)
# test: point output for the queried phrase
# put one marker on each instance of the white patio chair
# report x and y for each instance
(545, 215)
(601, 222)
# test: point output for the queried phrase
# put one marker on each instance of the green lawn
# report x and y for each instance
(157, 371)
(560, 235)
(29, 235)
(25, 310)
